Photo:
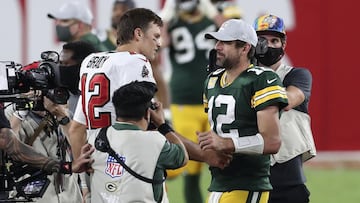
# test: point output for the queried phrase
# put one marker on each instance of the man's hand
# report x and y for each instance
(210, 140)
(214, 149)
(84, 161)
(217, 159)
(157, 115)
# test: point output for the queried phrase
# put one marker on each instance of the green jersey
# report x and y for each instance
(94, 40)
(232, 113)
(188, 54)
(108, 43)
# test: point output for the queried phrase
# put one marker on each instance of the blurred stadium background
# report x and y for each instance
(322, 37)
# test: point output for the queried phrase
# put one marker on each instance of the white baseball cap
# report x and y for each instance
(235, 29)
(73, 10)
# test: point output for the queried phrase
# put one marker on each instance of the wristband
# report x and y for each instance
(165, 129)
(65, 168)
(64, 120)
(253, 144)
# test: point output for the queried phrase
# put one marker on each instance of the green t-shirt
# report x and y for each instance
(109, 44)
(95, 41)
(232, 110)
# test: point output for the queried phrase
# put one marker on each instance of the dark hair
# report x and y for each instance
(132, 100)
(129, 3)
(135, 18)
(274, 33)
(81, 50)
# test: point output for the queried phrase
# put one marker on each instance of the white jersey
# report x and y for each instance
(100, 75)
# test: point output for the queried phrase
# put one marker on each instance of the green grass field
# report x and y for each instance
(326, 186)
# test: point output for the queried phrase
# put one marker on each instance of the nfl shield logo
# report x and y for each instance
(113, 168)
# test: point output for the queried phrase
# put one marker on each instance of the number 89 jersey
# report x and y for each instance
(232, 113)
(100, 75)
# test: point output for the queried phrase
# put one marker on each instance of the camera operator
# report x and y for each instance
(41, 81)
(142, 156)
(22, 152)
(71, 56)
(46, 131)
(19, 151)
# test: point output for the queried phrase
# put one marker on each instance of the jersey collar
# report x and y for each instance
(125, 126)
(223, 78)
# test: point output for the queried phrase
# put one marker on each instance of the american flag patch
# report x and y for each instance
(113, 168)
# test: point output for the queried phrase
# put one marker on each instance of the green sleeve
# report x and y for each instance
(171, 157)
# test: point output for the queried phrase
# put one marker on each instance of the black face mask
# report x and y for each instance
(70, 77)
(271, 56)
(63, 33)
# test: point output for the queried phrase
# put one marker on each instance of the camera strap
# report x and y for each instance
(102, 144)
(30, 140)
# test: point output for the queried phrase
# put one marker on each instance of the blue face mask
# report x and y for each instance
(63, 33)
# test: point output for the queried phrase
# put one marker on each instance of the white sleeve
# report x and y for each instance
(151, 75)
(141, 70)
(168, 11)
(208, 8)
(79, 115)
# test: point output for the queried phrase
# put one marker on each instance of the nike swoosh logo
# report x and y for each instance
(271, 81)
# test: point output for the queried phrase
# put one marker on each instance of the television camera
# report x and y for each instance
(20, 182)
(46, 75)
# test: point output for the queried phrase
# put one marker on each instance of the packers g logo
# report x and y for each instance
(111, 187)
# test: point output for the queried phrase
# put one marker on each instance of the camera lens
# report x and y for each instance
(152, 106)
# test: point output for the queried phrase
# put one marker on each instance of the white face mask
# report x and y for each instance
(188, 6)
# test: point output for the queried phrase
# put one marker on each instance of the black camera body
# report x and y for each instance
(27, 182)
(49, 78)
(44, 75)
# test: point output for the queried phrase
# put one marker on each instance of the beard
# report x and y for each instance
(230, 62)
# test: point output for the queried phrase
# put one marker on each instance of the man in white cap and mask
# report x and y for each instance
(74, 22)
